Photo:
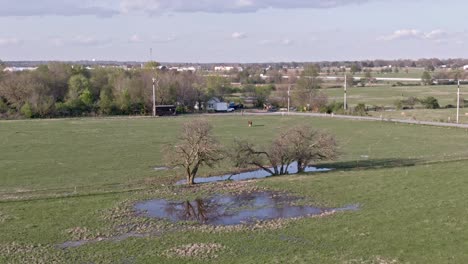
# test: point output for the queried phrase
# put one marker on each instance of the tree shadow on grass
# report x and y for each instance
(371, 164)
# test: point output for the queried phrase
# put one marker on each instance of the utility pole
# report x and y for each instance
(345, 92)
(154, 97)
(458, 103)
(289, 96)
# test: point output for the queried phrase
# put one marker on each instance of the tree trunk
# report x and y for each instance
(190, 176)
(191, 180)
(300, 166)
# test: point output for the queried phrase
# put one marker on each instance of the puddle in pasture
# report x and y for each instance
(233, 209)
(256, 174)
(162, 168)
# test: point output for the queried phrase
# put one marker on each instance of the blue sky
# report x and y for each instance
(232, 30)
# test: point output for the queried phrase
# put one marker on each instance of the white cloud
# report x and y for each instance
(287, 42)
(267, 42)
(135, 39)
(85, 40)
(159, 39)
(9, 41)
(402, 34)
(438, 36)
(277, 42)
(79, 40)
(58, 42)
(106, 8)
(231, 6)
(238, 35)
(244, 3)
(102, 8)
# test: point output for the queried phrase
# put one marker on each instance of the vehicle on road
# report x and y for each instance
(221, 107)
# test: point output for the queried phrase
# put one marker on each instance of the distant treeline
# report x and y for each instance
(420, 63)
(64, 90)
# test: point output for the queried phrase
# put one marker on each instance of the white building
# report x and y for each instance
(227, 68)
(211, 104)
(19, 69)
(183, 69)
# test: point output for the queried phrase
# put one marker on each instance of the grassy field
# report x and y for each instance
(436, 115)
(74, 179)
(412, 73)
(387, 95)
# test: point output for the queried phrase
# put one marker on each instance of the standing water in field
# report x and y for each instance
(233, 209)
(256, 174)
(161, 168)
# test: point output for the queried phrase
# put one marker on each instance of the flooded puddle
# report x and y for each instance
(233, 209)
(257, 174)
(162, 168)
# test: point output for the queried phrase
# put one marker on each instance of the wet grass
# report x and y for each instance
(411, 189)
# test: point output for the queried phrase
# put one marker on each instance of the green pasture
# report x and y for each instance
(412, 73)
(410, 182)
(387, 95)
(435, 115)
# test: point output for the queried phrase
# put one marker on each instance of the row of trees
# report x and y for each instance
(61, 90)
(429, 102)
(300, 145)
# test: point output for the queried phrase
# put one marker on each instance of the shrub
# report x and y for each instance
(360, 109)
(26, 110)
(398, 104)
(106, 105)
(334, 107)
(3, 107)
(181, 109)
(430, 103)
(408, 103)
(324, 109)
(87, 98)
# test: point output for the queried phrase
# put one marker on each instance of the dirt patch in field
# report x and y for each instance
(199, 251)
(5, 217)
(25, 253)
(374, 260)
(123, 221)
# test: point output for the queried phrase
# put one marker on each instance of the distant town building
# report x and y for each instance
(19, 69)
(227, 68)
(183, 69)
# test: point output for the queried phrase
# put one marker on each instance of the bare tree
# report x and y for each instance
(301, 144)
(307, 145)
(196, 147)
(274, 160)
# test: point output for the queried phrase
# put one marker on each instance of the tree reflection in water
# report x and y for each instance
(234, 209)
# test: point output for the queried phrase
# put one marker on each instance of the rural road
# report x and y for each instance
(334, 78)
(365, 118)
